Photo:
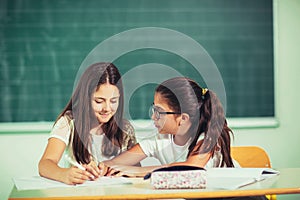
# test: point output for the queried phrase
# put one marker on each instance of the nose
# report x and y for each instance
(151, 114)
(153, 117)
(107, 106)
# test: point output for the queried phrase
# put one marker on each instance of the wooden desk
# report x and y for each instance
(288, 182)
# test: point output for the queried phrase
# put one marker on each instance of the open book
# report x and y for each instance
(233, 178)
(37, 182)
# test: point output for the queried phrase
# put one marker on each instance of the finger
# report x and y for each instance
(103, 169)
(95, 166)
(90, 175)
(91, 169)
(112, 172)
(118, 174)
(93, 174)
(77, 181)
(86, 174)
(83, 175)
(125, 174)
(90, 172)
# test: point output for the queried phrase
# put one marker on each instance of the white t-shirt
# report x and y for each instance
(163, 148)
(62, 130)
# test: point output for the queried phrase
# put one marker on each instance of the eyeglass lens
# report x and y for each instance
(154, 112)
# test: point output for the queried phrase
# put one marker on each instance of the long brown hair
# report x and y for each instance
(184, 95)
(80, 109)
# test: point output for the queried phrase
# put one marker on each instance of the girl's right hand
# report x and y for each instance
(104, 169)
(93, 169)
(73, 176)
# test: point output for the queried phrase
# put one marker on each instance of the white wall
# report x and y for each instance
(20, 153)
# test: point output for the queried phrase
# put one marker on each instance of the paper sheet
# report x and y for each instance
(233, 178)
(37, 182)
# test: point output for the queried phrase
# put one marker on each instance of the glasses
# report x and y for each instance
(157, 114)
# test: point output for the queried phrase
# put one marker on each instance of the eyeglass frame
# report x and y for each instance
(154, 110)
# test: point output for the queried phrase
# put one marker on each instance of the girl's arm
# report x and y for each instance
(48, 165)
(110, 168)
(128, 171)
(123, 164)
(198, 160)
(130, 157)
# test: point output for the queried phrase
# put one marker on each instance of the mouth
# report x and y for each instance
(104, 115)
(156, 125)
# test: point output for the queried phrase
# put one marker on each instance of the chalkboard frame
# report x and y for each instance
(59, 105)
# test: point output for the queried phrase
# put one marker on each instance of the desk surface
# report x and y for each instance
(288, 182)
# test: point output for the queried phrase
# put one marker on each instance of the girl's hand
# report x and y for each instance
(107, 170)
(73, 176)
(122, 170)
(104, 169)
(93, 169)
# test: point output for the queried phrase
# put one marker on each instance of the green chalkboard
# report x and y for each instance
(44, 43)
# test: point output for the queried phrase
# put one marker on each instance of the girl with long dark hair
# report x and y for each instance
(90, 128)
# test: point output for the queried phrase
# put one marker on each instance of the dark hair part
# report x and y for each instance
(80, 106)
(206, 114)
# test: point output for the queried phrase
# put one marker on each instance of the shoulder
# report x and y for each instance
(156, 140)
(64, 119)
(61, 122)
(62, 128)
(68, 115)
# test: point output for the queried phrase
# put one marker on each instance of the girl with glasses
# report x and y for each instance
(192, 131)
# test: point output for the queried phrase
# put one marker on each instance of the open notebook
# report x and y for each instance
(37, 182)
(233, 178)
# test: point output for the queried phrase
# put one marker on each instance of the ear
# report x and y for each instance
(184, 118)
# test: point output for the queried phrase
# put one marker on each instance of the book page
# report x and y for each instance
(37, 182)
(233, 178)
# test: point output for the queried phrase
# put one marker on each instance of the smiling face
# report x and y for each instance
(105, 102)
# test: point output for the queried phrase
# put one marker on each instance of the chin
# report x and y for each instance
(162, 131)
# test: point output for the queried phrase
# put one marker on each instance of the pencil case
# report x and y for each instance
(178, 177)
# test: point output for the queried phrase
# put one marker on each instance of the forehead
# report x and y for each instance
(107, 91)
(161, 102)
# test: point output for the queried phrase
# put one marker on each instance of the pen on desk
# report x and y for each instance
(72, 162)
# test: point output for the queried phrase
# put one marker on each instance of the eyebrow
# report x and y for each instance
(157, 107)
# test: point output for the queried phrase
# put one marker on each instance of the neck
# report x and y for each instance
(183, 134)
(181, 139)
(97, 130)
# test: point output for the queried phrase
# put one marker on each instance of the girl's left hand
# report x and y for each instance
(121, 170)
(93, 169)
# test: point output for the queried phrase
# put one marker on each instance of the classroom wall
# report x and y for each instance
(20, 153)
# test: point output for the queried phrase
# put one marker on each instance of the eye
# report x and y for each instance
(114, 101)
(98, 101)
